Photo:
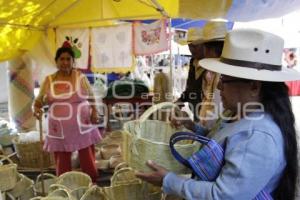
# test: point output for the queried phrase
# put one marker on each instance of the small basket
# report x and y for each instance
(21, 186)
(115, 137)
(94, 193)
(49, 179)
(8, 174)
(109, 150)
(29, 154)
(124, 176)
(74, 180)
(115, 160)
(102, 164)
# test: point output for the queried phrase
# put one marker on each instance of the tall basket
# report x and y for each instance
(8, 174)
(29, 154)
(145, 139)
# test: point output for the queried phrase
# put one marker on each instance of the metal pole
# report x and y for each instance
(41, 156)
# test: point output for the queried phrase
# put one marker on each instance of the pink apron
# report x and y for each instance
(69, 125)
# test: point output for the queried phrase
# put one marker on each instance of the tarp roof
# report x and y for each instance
(22, 22)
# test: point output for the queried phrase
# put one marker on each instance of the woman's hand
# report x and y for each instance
(95, 119)
(38, 112)
(181, 118)
(156, 177)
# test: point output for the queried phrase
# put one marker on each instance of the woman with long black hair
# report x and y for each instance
(259, 141)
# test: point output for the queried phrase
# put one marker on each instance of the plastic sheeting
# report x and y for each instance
(22, 22)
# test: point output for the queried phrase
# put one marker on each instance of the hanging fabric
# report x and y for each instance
(78, 40)
(150, 38)
(112, 49)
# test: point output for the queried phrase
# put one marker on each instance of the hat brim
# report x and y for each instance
(215, 65)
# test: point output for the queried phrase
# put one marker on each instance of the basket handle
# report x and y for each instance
(120, 166)
(92, 190)
(44, 175)
(61, 190)
(125, 169)
(11, 197)
(3, 158)
(56, 186)
(155, 108)
(176, 137)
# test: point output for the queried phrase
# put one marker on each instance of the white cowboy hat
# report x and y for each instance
(252, 54)
(212, 31)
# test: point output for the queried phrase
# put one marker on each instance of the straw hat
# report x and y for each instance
(212, 31)
(252, 54)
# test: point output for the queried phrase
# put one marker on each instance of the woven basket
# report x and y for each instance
(74, 180)
(115, 137)
(125, 186)
(94, 193)
(102, 164)
(123, 176)
(115, 160)
(149, 140)
(49, 179)
(131, 191)
(59, 194)
(56, 186)
(79, 192)
(29, 154)
(109, 150)
(8, 174)
(124, 192)
(121, 165)
(27, 194)
(21, 186)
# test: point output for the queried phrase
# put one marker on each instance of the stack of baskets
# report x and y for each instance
(14, 185)
(108, 151)
(145, 139)
(30, 154)
(125, 186)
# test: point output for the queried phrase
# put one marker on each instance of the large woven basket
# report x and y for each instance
(29, 154)
(74, 180)
(21, 186)
(8, 174)
(149, 140)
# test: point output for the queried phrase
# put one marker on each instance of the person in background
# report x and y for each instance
(206, 42)
(259, 141)
(72, 118)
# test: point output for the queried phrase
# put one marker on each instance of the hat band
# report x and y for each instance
(249, 64)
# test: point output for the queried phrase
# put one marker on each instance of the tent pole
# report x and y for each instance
(30, 27)
(106, 19)
(160, 8)
(171, 58)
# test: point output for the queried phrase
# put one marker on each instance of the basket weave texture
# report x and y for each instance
(8, 174)
(29, 154)
(145, 140)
